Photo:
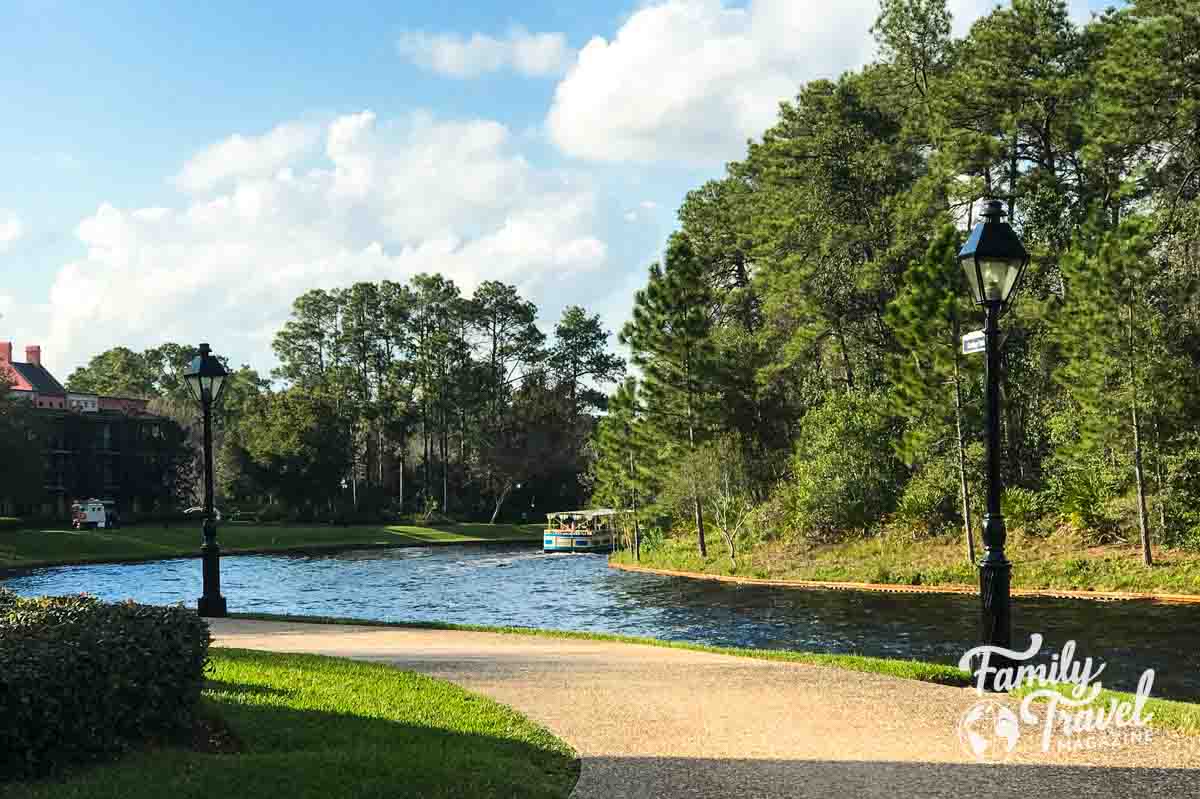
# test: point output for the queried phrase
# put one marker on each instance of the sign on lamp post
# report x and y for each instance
(975, 341)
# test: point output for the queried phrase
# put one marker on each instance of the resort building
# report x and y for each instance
(92, 446)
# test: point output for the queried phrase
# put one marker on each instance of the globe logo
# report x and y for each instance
(989, 732)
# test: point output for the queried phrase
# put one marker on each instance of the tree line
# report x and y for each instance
(394, 398)
(799, 344)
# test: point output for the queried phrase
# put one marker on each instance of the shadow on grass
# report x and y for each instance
(224, 687)
(315, 754)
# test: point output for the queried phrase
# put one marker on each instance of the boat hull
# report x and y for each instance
(554, 541)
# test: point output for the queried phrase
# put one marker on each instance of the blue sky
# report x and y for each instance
(483, 139)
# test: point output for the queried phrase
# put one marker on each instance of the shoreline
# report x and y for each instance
(898, 588)
(303, 549)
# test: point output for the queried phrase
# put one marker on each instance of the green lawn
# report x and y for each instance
(325, 728)
(1058, 561)
(27, 548)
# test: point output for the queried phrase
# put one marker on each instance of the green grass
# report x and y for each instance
(1056, 562)
(1168, 714)
(30, 548)
(325, 728)
(907, 669)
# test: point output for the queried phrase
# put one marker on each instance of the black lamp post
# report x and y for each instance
(994, 260)
(205, 378)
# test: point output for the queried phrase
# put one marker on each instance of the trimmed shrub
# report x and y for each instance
(82, 679)
(9, 523)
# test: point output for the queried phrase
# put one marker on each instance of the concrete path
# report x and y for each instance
(656, 722)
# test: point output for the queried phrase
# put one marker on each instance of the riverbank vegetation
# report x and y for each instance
(42, 547)
(802, 405)
(1058, 562)
(308, 726)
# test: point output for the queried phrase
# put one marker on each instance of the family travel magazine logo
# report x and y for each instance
(1061, 700)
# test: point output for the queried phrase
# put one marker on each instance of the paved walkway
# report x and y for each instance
(657, 722)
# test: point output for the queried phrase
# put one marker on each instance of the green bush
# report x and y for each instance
(1182, 497)
(844, 471)
(82, 679)
(9, 523)
(1024, 508)
(1082, 478)
(931, 503)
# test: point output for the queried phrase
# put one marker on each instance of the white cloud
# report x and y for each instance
(631, 216)
(11, 229)
(649, 205)
(247, 156)
(532, 54)
(689, 81)
(387, 200)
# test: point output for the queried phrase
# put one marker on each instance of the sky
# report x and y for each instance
(181, 172)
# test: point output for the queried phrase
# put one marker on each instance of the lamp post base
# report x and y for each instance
(212, 607)
(995, 579)
(212, 604)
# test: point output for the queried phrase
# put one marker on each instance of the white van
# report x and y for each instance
(94, 513)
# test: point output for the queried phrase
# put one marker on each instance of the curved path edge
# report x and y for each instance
(897, 588)
(652, 722)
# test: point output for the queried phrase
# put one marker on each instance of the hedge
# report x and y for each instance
(82, 679)
(9, 523)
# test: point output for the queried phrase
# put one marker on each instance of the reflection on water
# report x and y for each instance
(519, 586)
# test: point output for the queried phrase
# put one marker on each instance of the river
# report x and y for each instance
(516, 585)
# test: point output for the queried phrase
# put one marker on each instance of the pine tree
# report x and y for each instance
(1107, 329)
(929, 371)
(670, 340)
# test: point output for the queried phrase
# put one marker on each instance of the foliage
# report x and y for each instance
(1024, 508)
(844, 475)
(10, 523)
(824, 264)
(929, 504)
(81, 679)
(315, 727)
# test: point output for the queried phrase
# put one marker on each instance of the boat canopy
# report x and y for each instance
(581, 515)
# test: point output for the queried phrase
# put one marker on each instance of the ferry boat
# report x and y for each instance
(580, 531)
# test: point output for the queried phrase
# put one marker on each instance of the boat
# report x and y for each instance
(580, 530)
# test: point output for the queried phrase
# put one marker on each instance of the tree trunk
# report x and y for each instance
(500, 499)
(445, 470)
(1143, 528)
(1160, 478)
(968, 530)
(637, 543)
(695, 489)
(353, 468)
(841, 337)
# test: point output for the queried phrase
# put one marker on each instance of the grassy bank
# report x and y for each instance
(29, 548)
(1163, 714)
(907, 669)
(308, 726)
(1057, 561)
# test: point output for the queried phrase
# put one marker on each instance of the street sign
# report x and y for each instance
(975, 341)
